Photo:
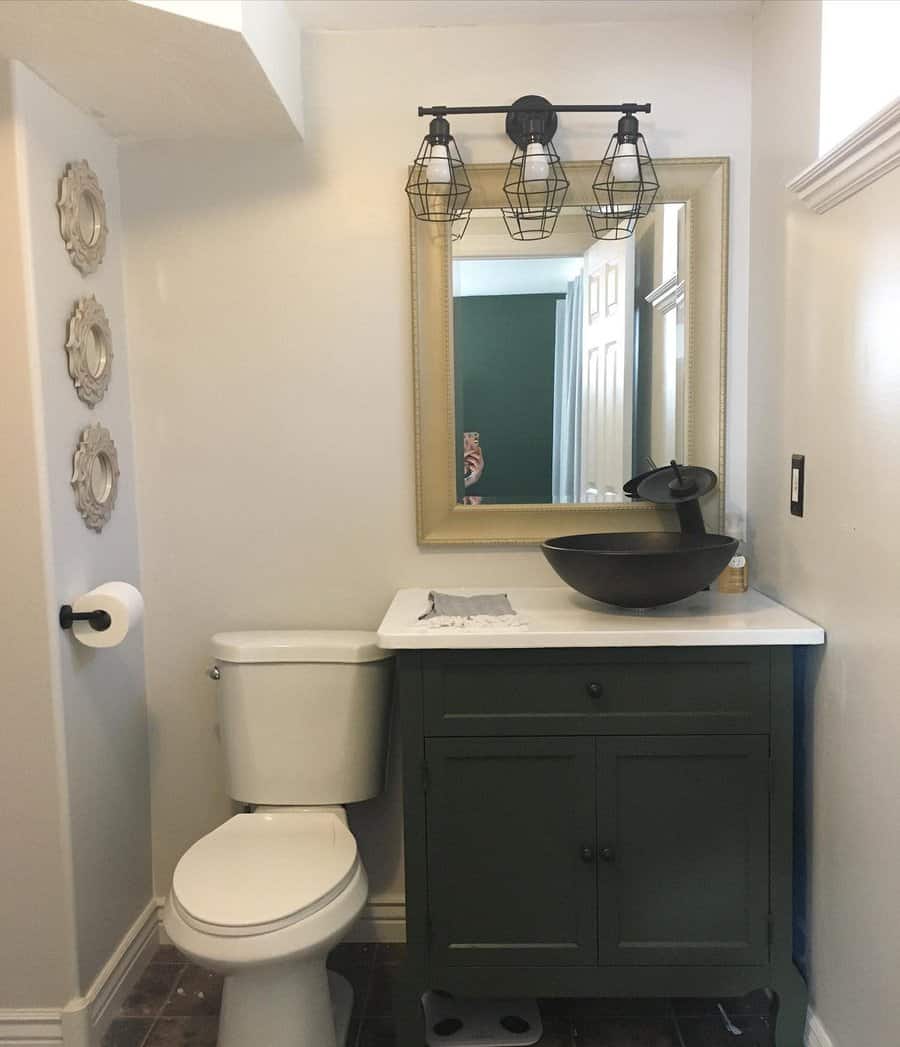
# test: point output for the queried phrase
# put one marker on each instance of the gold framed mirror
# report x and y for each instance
(628, 347)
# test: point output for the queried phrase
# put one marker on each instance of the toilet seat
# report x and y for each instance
(261, 872)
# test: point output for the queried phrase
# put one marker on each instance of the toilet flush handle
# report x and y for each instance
(213, 672)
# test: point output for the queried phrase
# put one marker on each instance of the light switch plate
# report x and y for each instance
(798, 483)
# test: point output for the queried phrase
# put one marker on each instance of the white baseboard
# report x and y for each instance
(816, 1034)
(382, 920)
(37, 1028)
(84, 1019)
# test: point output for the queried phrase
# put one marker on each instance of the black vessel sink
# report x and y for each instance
(642, 568)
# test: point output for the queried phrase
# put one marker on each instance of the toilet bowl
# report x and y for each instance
(265, 897)
(262, 900)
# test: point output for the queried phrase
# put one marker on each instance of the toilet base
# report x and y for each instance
(288, 1005)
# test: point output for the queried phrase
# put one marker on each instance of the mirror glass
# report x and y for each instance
(87, 218)
(94, 351)
(569, 358)
(100, 478)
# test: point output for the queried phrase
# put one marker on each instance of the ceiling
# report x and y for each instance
(146, 74)
(395, 14)
(143, 73)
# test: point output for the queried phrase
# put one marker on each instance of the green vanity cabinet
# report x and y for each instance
(598, 822)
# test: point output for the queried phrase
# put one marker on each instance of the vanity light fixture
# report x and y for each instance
(438, 186)
(626, 182)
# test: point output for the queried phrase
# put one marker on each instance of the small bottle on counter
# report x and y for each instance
(736, 576)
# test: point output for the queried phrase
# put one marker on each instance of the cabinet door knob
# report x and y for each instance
(595, 690)
(608, 854)
(587, 853)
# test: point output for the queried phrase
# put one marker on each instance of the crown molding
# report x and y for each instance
(667, 295)
(860, 159)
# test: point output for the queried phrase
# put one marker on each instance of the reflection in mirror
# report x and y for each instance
(94, 351)
(569, 358)
(87, 218)
(100, 478)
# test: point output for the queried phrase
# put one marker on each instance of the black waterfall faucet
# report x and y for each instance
(681, 486)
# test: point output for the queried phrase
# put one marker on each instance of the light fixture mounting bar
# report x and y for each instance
(475, 110)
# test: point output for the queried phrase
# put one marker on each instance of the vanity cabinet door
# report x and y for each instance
(512, 875)
(683, 837)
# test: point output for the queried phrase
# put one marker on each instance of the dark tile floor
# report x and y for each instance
(176, 1004)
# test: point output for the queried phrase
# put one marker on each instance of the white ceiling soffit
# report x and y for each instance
(395, 14)
(147, 73)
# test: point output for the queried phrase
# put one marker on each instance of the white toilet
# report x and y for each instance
(263, 898)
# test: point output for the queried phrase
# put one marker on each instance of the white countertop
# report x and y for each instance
(560, 617)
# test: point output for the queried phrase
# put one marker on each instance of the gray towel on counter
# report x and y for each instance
(444, 604)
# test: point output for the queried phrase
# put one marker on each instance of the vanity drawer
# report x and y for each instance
(641, 691)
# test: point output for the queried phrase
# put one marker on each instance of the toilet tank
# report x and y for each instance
(303, 715)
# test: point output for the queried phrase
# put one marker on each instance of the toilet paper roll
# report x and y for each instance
(124, 605)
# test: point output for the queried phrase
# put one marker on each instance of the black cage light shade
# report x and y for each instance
(611, 221)
(626, 180)
(530, 225)
(535, 185)
(438, 185)
(460, 223)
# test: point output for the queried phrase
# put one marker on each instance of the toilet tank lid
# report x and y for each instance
(298, 645)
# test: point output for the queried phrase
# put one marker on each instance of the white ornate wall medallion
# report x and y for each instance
(95, 476)
(89, 346)
(82, 216)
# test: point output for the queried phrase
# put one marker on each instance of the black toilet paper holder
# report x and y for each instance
(99, 620)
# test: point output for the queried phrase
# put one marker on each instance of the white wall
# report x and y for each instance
(268, 298)
(825, 382)
(860, 74)
(98, 696)
(37, 955)
(271, 33)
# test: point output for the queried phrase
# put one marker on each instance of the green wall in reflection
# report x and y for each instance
(504, 347)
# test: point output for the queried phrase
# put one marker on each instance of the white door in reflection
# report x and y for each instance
(608, 370)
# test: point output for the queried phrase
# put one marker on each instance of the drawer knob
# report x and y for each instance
(587, 853)
(595, 690)
(607, 854)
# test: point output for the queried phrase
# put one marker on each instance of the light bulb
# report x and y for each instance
(437, 170)
(625, 166)
(537, 163)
